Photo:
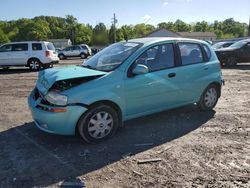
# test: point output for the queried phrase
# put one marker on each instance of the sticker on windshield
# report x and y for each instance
(130, 44)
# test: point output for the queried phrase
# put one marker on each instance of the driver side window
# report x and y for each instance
(6, 48)
(158, 57)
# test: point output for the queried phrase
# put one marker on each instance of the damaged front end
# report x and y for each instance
(51, 83)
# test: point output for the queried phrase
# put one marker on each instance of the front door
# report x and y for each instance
(20, 53)
(5, 55)
(154, 90)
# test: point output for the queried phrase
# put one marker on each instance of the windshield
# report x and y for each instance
(112, 56)
(238, 44)
(218, 45)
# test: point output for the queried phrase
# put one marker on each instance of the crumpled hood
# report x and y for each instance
(48, 77)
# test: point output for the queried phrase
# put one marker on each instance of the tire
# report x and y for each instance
(34, 64)
(98, 123)
(209, 98)
(83, 56)
(61, 56)
(231, 61)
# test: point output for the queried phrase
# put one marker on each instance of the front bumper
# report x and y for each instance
(63, 123)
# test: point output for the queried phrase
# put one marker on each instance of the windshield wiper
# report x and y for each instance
(88, 66)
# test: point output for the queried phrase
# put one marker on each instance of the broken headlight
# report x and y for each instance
(56, 98)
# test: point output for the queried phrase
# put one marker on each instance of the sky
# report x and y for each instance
(129, 11)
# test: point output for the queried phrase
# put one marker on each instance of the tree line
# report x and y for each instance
(51, 27)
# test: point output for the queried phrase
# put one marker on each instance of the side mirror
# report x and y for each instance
(140, 69)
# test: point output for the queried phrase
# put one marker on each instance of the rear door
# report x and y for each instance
(19, 53)
(5, 54)
(194, 70)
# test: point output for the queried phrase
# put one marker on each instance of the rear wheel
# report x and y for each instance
(209, 98)
(34, 64)
(98, 124)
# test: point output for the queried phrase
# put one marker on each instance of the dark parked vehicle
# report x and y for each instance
(238, 52)
(224, 44)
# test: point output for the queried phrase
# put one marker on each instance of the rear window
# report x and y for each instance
(36, 46)
(51, 47)
(190, 53)
(20, 47)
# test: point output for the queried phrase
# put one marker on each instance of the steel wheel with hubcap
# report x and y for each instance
(99, 123)
(209, 98)
(34, 64)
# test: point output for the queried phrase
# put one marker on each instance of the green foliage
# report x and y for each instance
(51, 27)
(3, 37)
(100, 35)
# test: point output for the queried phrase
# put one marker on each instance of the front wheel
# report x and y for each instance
(209, 98)
(98, 124)
(82, 55)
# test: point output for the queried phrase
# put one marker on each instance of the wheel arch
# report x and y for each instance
(28, 61)
(103, 102)
(218, 85)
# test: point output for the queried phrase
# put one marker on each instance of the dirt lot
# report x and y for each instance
(197, 149)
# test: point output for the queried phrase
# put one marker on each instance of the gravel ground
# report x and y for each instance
(195, 149)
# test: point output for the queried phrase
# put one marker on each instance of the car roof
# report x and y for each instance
(27, 42)
(151, 40)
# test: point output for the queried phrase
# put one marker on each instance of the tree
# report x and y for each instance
(202, 27)
(167, 25)
(83, 34)
(143, 29)
(182, 26)
(100, 35)
(3, 37)
(128, 32)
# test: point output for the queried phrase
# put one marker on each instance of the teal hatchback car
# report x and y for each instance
(126, 80)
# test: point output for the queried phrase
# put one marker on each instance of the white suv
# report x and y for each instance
(33, 54)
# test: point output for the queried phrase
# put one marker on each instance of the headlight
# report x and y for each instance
(56, 98)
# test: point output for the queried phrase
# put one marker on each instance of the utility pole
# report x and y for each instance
(114, 21)
(249, 28)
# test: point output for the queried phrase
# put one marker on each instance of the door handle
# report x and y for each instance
(205, 68)
(171, 75)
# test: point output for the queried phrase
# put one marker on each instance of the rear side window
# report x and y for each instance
(20, 47)
(36, 46)
(207, 51)
(190, 53)
(76, 48)
(158, 57)
(51, 47)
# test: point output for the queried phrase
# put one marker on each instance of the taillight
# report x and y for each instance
(47, 53)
